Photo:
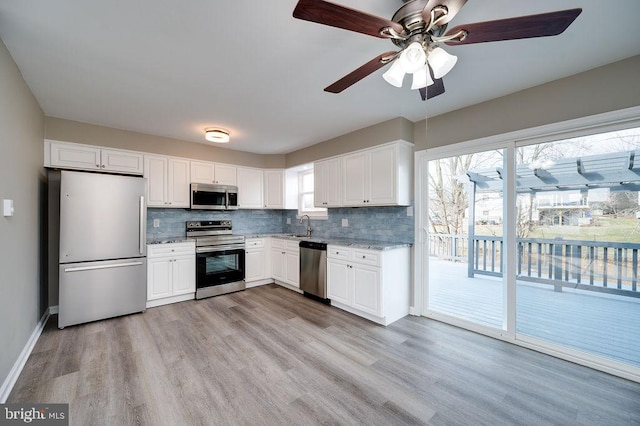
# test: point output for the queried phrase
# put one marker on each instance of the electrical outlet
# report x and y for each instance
(409, 211)
(288, 221)
(345, 223)
(156, 223)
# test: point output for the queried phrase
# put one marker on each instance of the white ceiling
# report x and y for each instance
(173, 68)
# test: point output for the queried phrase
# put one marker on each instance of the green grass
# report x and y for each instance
(604, 228)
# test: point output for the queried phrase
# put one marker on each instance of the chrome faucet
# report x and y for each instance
(308, 224)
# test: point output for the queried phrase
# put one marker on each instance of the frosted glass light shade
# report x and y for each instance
(394, 75)
(216, 135)
(421, 78)
(413, 58)
(441, 62)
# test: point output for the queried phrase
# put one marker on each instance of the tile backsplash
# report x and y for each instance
(172, 221)
(389, 224)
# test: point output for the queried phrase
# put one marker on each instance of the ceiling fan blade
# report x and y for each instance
(542, 25)
(453, 7)
(436, 89)
(360, 73)
(324, 12)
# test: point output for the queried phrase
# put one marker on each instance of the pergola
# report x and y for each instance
(615, 171)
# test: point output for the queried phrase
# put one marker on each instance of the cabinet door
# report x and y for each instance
(75, 157)
(250, 188)
(355, 180)
(122, 161)
(158, 278)
(155, 170)
(178, 183)
(184, 275)
(274, 189)
(226, 175)
(338, 286)
(327, 183)
(382, 187)
(277, 264)
(292, 265)
(366, 289)
(254, 265)
(202, 172)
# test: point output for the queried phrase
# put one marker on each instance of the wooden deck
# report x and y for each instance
(600, 324)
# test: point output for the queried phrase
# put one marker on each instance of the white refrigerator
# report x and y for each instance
(102, 252)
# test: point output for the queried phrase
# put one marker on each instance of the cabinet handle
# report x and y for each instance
(98, 165)
(102, 166)
(364, 257)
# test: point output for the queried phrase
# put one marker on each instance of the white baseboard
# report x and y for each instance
(11, 379)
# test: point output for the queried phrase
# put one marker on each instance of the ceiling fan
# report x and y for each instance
(417, 28)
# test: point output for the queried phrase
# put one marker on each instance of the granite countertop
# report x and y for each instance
(349, 242)
(167, 240)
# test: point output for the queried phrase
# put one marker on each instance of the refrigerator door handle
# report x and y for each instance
(91, 268)
(141, 241)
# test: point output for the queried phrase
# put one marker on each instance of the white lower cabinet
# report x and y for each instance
(171, 273)
(373, 284)
(285, 261)
(257, 262)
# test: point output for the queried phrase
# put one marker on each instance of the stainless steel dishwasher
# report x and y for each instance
(313, 270)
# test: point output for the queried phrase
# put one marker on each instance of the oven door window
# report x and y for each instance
(220, 267)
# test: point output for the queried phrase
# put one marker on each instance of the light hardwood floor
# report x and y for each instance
(269, 356)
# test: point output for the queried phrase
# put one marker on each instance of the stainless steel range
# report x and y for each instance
(219, 257)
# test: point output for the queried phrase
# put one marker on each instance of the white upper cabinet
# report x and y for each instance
(167, 181)
(205, 172)
(327, 175)
(86, 157)
(378, 176)
(274, 189)
(250, 188)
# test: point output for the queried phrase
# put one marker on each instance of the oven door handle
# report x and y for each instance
(218, 248)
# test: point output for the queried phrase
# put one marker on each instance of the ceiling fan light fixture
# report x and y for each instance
(421, 78)
(217, 135)
(441, 62)
(395, 74)
(413, 58)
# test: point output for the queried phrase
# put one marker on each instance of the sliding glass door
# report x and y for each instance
(465, 244)
(578, 243)
(537, 243)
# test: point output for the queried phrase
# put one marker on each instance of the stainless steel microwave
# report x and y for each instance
(214, 197)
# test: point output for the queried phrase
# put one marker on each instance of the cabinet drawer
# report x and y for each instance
(367, 257)
(278, 243)
(293, 245)
(338, 252)
(254, 243)
(177, 249)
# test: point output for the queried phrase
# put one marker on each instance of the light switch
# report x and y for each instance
(345, 223)
(288, 221)
(8, 207)
(156, 223)
(409, 211)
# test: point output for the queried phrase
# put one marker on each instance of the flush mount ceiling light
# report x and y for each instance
(217, 135)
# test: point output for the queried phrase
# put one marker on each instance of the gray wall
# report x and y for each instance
(91, 134)
(22, 278)
(609, 88)
(388, 131)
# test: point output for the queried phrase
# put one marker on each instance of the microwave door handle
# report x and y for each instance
(226, 196)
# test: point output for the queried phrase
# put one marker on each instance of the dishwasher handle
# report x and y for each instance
(313, 245)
